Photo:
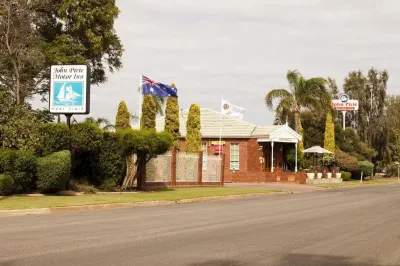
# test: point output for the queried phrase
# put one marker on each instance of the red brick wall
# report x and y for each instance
(250, 168)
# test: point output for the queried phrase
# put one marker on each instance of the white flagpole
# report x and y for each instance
(140, 98)
(220, 128)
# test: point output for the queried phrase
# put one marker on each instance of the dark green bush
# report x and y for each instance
(54, 137)
(21, 165)
(111, 160)
(391, 170)
(6, 185)
(108, 185)
(345, 161)
(365, 167)
(53, 172)
(24, 171)
(346, 176)
(85, 137)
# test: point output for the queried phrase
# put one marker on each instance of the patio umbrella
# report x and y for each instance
(317, 150)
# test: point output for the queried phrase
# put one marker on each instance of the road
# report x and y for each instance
(358, 226)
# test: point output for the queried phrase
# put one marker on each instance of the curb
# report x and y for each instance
(363, 185)
(10, 213)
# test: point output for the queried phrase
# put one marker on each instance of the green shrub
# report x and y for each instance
(54, 137)
(346, 176)
(53, 172)
(85, 137)
(345, 161)
(24, 171)
(21, 165)
(108, 185)
(6, 185)
(7, 158)
(365, 167)
(82, 186)
(391, 170)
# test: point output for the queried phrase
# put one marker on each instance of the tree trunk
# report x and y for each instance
(297, 121)
(141, 180)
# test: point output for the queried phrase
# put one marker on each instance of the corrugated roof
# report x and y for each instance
(231, 127)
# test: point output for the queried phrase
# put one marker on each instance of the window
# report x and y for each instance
(205, 150)
(234, 157)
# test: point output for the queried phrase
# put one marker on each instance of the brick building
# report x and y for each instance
(252, 153)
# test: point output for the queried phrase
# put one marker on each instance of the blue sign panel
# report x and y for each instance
(68, 94)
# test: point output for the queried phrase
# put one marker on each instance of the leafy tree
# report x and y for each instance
(348, 141)
(101, 122)
(159, 100)
(329, 141)
(302, 93)
(172, 117)
(44, 116)
(36, 34)
(314, 127)
(333, 88)
(18, 125)
(146, 144)
(193, 126)
(122, 121)
(148, 119)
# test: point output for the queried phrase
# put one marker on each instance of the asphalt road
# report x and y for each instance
(335, 227)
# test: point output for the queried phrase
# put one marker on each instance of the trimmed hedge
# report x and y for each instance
(54, 137)
(365, 167)
(345, 161)
(346, 176)
(6, 185)
(21, 165)
(53, 172)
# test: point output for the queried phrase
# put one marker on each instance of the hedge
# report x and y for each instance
(21, 166)
(346, 176)
(53, 172)
(365, 167)
(345, 161)
(54, 137)
(6, 185)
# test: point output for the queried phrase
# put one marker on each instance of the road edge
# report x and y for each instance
(40, 211)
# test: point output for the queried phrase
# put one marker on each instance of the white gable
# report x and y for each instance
(284, 134)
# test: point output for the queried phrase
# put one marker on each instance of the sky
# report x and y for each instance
(240, 50)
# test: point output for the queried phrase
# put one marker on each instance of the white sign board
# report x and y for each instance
(69, 89)
(350, 105)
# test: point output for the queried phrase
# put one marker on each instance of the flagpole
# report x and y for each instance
(220, 127)
(140, 98)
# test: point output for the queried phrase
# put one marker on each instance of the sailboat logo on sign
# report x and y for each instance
(68, 93)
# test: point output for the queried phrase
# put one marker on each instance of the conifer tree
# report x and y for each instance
(149, 112)
(172, 117)
(122, 120)
(193, 135)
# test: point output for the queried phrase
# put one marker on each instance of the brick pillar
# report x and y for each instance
(173, 167)
(200, 169)
(222, 169)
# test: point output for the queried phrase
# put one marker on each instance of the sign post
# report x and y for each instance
(344, 104)
(69, 90)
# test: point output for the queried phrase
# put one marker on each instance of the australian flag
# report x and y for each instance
(151, 87)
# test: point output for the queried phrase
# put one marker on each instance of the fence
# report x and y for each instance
(184, 169)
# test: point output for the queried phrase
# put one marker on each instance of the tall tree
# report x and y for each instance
(370, 91)
(193, 133)
(159, 100)
(172, 118)
(122, 120)
(36, 34)
(148, 119)
(302, 94)
(333, 88)
(329, 140)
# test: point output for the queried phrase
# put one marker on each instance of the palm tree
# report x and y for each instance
(101, 122)
(159, 100)
(302, 94)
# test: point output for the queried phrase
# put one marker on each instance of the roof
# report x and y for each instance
(231, 127)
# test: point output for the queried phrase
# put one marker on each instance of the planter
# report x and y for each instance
(319, 175)
(338, 175)
(329, 175)
(310, 175)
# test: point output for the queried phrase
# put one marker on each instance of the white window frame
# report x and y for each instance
(205, 150)
(234, 157)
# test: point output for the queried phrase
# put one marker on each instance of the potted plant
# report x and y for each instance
(319, 172)
(329, 162)
(311, 173)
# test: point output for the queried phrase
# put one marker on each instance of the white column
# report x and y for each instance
(272, 156)
(295, 167)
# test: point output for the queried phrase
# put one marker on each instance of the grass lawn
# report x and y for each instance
(357, 183)
(24, 202)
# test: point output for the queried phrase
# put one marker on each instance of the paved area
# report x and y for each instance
(296, 188)
(330, 227)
